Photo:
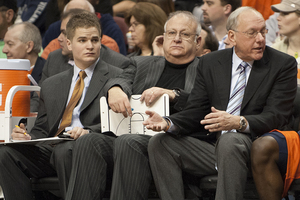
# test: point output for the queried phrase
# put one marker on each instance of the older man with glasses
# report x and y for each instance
(174, 75)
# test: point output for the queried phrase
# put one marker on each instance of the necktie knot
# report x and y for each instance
(243, 65)
(82, 74)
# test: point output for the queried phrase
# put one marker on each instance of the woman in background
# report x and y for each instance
(289, 26)
(145, 21)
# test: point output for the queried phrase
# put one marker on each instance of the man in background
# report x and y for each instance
(216, 13)
(8, 15)
(23, 41)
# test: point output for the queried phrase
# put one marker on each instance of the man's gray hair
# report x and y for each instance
(30, 33)
(187, 14)
(91, 7)
(233, 19)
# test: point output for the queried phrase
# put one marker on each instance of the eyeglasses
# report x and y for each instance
(182, 35)
(253, 33)
(134, 24)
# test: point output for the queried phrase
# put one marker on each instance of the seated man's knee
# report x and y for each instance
(62, 152)
(134, 142)
(232, 143)
(5, 153)
(155, 143)
(264, 149)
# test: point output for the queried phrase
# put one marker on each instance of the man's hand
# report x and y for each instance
(219, 120)
(157, 46)
(155, 122)
(151, 95)
(118, 101)
(20, 133)
(77, 132)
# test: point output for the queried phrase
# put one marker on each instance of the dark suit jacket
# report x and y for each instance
(38, 69)
(149, 70)
(54, 96)
(36, 74)
(268, 98)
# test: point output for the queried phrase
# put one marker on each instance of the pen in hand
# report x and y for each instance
(19, 127)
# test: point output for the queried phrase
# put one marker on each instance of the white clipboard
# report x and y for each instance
(119, 125)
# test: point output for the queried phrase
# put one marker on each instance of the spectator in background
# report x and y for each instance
(187, 5)
(216, 13)
(289, 29)
(8, 15)
(109, 26)
(33, 11)
(145, 21)
(24, 41)
(55, 9)
(209, 42)
(289, 26)
(122, 7)
(58, 42)
(273, 30)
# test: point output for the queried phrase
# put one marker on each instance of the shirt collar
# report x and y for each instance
(89, 71)
(236, 61)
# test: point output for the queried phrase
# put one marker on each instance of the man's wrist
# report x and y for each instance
(242, 124)
(168, 124)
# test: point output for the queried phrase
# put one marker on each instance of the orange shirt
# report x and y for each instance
(105, 40)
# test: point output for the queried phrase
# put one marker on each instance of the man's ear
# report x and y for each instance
(29, 46)
(198, 41)
(227, 9)
(69, 44)
(9, 15)
(232, 37)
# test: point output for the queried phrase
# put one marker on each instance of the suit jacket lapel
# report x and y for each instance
(258, 72)
(97, 82)
(61, 99)
(155, 70)
(222, 73)
(190, 76)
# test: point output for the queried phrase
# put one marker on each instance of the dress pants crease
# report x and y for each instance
(92, 162)
(131, 168)
(170, 156)
(61, 159)
(233, 159)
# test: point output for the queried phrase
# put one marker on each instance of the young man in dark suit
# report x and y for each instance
(67, 100)
(239, 94)
(61, 59)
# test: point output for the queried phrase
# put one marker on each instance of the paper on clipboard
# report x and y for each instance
(119, 125)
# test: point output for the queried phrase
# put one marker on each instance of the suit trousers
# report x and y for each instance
(19, 163)
(92, 165)
(170, 157)
(132, 176)
(61, 159)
